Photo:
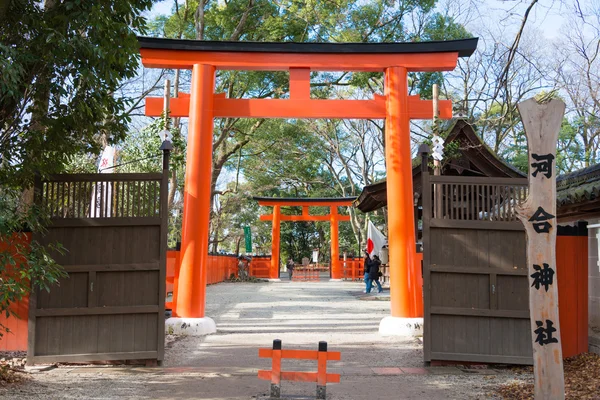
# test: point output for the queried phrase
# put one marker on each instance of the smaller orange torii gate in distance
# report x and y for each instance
(334, 217)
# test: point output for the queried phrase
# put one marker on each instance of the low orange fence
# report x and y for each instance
(172, 275)
(260, 266)
(220, 268)
(416, 286)
(16, 338)
(353, 269)
(276, 375)
(303, 274)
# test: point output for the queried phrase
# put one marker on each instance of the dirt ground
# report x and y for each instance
(250, 316)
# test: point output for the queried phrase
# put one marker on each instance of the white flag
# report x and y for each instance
(104, 189)
(375, 240)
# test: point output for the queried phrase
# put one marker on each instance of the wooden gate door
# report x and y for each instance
(476, 304)
(111, 306)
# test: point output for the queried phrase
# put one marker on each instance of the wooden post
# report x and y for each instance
(436, 113)
(167, 101)
(276, 370)
(437, 164)
(322, 372)
(542, 124)
(166, 148)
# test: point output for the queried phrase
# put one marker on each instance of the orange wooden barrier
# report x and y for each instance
(220, 268)
(353, 269)
(572, 276)
(416, 285)
(172, 274)
(260, 266)
(276, 375)
(306, 274)
(16, 338)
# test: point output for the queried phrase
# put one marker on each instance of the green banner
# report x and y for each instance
(248, 239)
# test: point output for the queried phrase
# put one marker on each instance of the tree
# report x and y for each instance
(60, 72)
(576, 70)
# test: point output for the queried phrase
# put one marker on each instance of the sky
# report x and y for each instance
(547, 15)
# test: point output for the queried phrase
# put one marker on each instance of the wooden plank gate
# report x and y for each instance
(111, 306)
(476, 304)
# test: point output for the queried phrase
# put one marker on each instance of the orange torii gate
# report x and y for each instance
(333, 217)
(202, 105)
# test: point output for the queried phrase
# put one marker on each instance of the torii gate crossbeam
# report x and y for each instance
(333, 217)
(396, 60)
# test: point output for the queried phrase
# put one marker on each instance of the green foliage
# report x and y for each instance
(61, 68)
(438, 27)
(62, 64)
(569, 152)
(140, 151)
(23, 267)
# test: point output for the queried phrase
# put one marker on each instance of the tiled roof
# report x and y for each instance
(578, 186)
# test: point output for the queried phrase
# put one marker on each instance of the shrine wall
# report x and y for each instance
(593, 287)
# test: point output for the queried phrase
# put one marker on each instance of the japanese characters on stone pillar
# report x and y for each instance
(542, 123)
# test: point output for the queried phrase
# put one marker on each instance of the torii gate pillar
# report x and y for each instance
(401, 232)
(191, 293)
(336, 273)
(275, 235)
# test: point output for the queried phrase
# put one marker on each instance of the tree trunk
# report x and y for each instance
(41, 103)
(199, 20)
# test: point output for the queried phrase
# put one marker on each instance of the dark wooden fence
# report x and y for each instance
(111, 306)
(476, 304)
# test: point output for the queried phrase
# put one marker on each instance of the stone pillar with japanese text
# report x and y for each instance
(542, 122)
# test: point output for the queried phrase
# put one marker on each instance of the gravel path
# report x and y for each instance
(251, 315)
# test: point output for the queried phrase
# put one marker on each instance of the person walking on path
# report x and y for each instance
(374, 274)
(290, 267)
(366, 268)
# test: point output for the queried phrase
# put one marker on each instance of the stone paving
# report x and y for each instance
(250, 316)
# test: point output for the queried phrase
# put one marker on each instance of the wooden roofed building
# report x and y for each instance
(477, 217)
(469, 156)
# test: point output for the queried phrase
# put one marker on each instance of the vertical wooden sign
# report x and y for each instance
(542, 123)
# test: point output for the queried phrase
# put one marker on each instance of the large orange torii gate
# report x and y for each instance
(334, 217)
(202, 105)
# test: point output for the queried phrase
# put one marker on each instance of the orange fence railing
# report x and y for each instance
(220, 268)
(306, 274)
(276, 375)
(260, 266)
(353, 269)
